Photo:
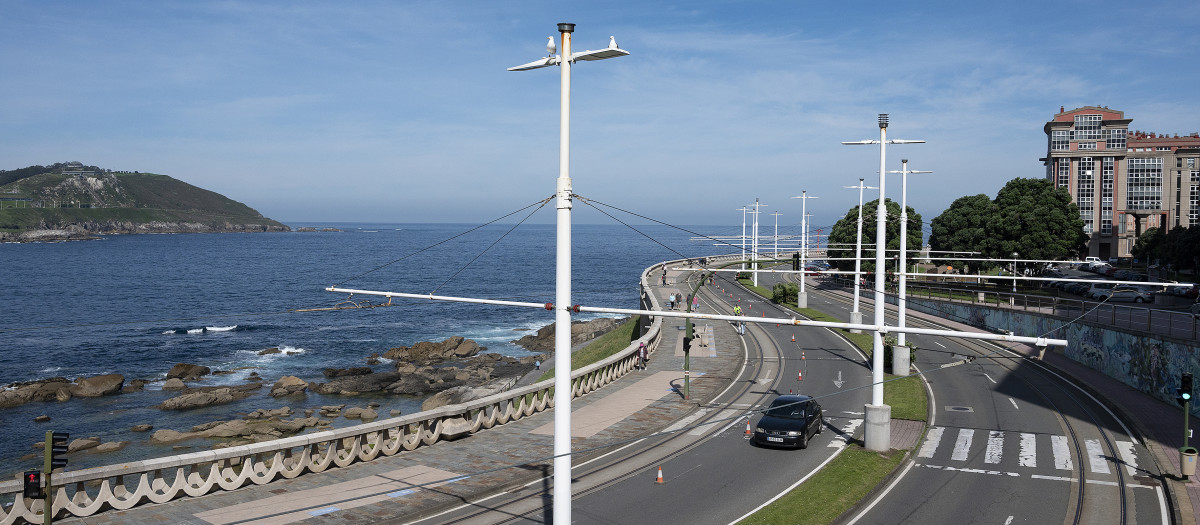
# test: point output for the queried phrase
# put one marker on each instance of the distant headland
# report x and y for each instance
(72, 201)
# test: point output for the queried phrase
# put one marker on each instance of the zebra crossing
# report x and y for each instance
(962, 447)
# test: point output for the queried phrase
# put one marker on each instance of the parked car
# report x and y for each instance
(1098, 290)
(1130, 293)
(790, 421)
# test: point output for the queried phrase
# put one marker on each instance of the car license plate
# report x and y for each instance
(775, 439)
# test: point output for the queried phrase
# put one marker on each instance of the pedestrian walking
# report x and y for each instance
(643, 356)
(664, 278)
(537, 365)
(695, 303)
(671, 301)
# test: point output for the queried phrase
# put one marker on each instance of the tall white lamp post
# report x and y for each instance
(743, 209)
(878, 428)
(1014, 272)
(776, 252)
(562, 295)
(754, 243)
(856, 314)
(900, 362)
(802, 297)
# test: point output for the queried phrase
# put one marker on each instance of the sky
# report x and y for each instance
(403, 111)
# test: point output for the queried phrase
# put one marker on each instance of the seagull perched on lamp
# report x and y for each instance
(550, 47)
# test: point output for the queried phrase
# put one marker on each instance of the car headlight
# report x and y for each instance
(793, 433)
(760, 430)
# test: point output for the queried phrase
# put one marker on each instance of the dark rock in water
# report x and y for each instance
(269, 351)
(134, 386)
(83, 444)
(173, 384)
(288, 385)
(346, 372)
(188, 372)
(142, 428)
(357, 384)
(202, 397)
(581, 331)
(52, 389)
(372, 360)
(112, 446)
(105, 385)
(41, 419)
(430, 353)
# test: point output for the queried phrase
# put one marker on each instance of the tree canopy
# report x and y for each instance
(1028, 216)
(844, 233)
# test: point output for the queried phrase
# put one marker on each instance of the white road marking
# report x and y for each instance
(1062, 454)
(962, 446)
(995, 447)
(974, 471)
(989, 378)
(1014, 403)
(1028, 456)
(939, 344)
(1053, 478)
(846, 433)
(932, 440)
(1125, 448)
(1096, 456)
(1008, 521)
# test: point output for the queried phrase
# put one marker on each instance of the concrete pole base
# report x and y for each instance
(855, 318)
(901, 357)
(878, 427)
(802, 299)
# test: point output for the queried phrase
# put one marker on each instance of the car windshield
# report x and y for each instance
(788, 409)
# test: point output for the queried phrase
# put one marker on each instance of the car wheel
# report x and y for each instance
(1138, 300)
(821, 425)
(804, 440)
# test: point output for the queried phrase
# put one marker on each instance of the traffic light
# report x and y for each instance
(56, 446)
(1184, 393)
(795, 262)
(33, 485)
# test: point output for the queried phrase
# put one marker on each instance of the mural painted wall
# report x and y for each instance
(1142, 361)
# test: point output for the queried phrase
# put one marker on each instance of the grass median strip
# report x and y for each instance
(608, 344)
(854, 473)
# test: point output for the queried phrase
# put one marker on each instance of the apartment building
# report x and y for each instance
(1124, 181)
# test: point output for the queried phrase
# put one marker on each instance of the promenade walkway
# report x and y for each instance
(480, 465)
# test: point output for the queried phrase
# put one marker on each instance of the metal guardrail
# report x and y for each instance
(1157, 321)
(122, 486)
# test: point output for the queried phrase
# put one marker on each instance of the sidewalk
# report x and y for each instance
(1159, 424)
(471, 468)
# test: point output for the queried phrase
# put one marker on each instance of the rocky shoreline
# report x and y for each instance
(93, 229)
(452, 371)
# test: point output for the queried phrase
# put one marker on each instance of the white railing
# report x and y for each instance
(159, 480)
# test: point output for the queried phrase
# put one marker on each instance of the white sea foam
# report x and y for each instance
(195, 330)
(221, 328)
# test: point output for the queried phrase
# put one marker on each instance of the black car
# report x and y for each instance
(790, 422)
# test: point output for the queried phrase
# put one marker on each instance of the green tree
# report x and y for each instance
(962, 227)
(1149, 246)
(1036, 220)
(844, 233)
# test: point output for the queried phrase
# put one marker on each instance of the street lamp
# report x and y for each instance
(562, 295)
(802, 297)
(855, 314)
(902, 303)
(754, 243)
(776, 252)
(878, 415)
(743, 209)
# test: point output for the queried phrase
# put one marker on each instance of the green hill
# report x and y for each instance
(76, 200)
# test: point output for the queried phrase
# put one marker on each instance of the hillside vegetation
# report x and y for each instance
(71, 200)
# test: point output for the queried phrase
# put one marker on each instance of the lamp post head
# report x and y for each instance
(883, 120)
(904, 161)
(564, 27)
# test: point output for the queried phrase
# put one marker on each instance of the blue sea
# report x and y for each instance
(138, 304)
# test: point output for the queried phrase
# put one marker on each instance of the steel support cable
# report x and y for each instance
(492, 245)
(444, 241)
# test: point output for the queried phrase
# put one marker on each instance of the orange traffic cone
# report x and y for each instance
(659, 480)
(747, 429)
(793, 338)
(799, 375)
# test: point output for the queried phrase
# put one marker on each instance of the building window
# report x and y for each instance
(1106, 195)
(1085, 192)
(1087, 145)
(1194, 200)
(1163, 148)
(1144, 184)
(1087, 127)
(1116, 139)
(1191, 162)
(1064, 172)
(1059, 140)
